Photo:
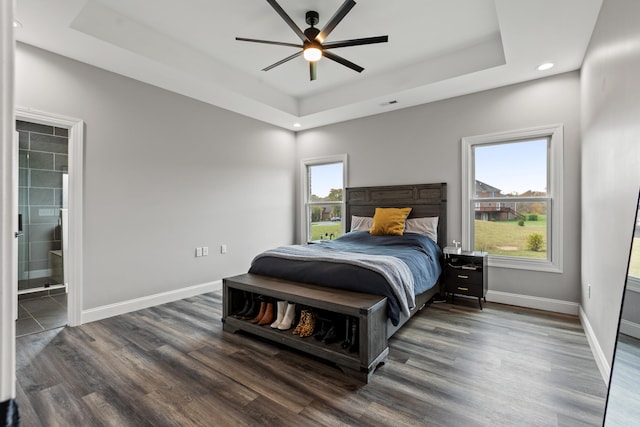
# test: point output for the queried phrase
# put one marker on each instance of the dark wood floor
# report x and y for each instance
(171, 365)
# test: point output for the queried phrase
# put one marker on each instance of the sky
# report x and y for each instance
(513, 167)
(325, 177)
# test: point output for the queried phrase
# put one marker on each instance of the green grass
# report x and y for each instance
(508, 238)
(634, 263)
(320, 230)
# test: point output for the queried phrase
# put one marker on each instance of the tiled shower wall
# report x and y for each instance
(43, 159)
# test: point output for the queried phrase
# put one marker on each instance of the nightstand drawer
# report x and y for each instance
(465, 276)
(465, 288)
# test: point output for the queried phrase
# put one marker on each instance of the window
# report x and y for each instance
(633, 276)
(323, 204)
(511, 193)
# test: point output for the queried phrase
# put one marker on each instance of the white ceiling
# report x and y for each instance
(437, 49)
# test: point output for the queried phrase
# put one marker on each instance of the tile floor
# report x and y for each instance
(41, 314)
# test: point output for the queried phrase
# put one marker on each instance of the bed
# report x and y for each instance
(347, 288)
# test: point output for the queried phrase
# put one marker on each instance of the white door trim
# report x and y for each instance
(8, 207)
(76, 179)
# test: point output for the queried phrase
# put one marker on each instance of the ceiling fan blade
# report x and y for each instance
(341, 60)
(356, 42)
(282, 61)
(288, 20)
(335, 20)
(242, 39)
(313, 67)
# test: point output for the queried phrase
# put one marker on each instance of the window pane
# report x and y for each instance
(324, 208)
(325, 182)
(515, 169)
(326, 222)
(512, 229)
(634, 262)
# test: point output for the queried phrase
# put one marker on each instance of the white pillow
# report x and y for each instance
(427, 226)
(361, 223)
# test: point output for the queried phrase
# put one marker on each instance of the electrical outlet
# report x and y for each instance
(223, 249)
(198, 252)
(205, 250)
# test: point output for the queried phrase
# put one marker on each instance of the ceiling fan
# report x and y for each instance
(313, 45)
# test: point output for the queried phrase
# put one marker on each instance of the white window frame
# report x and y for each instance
(555, 133)
(304, 190)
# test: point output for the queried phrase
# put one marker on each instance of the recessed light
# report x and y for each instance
(545, 66)
(297, 125)
(17, 24)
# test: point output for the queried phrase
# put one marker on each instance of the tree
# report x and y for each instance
(335, 195)
(316, 213)
(535, 242)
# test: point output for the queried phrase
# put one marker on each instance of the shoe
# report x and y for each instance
(268, 315)
(331, 336)
(253, 311)
(347, 343)
(303, 318)
(281, 308)
(309, 325)
(324, 328)
(263, 308)
(354, 336)
(247, 305)
(289, 317)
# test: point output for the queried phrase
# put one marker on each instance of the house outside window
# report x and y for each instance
(512, 185)
(323, 186)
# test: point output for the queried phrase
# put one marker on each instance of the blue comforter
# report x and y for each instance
(420, 254)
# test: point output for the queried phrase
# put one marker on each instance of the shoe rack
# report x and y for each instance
(367, 312)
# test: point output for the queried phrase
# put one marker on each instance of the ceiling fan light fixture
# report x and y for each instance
(312, 54)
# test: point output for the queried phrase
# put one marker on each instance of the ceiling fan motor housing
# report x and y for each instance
(311, 34)
(312, 18)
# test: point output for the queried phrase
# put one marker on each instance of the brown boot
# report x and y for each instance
(263, 308)
(268, 315)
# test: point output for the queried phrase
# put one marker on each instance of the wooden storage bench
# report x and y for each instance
(369, 310)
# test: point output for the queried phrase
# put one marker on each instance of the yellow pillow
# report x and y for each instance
(389, 221)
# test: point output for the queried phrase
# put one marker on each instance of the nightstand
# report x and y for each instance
(466, 274)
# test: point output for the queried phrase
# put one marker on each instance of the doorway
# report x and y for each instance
(42, 225)
(50, 203)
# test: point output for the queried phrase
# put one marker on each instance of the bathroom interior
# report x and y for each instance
(42, 227)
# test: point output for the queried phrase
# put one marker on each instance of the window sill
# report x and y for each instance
(633, 284)
(524, 264)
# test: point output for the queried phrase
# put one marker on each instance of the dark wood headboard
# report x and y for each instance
(426, 200)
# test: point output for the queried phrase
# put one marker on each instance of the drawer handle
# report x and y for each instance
(460, 276)
(462, 289)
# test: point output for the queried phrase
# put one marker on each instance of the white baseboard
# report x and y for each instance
(598, 354)
(548, 304)
(630, 328)
(123, 307)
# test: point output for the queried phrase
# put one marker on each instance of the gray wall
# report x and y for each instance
(610, 114)
(163, 175)
(422, 144)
